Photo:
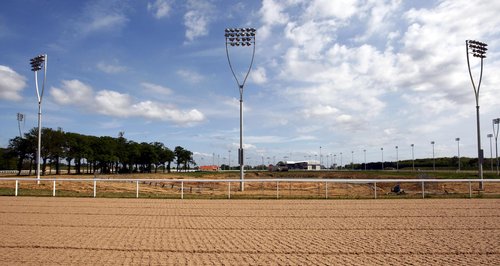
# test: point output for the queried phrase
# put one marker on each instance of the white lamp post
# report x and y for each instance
(477, 49)
(496, 125)
(36, 65)
(413, 156)
(382, 150)
(433, 159)
(364, 151)
(240, 37)
(490, 136)
(397, 159)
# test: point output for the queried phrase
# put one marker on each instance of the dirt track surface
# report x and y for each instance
(91, 231)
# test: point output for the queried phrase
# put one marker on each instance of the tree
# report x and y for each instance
(183, 156)
(107, 154)
(168, 156)
(20, 148)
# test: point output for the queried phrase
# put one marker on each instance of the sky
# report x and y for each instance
(328, 77)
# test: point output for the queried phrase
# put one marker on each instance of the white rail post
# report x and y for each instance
(54, 189)
(137, 189)
(423, 190)
(470, 190)
(375, 189)
(277, 190)
(326, 190)
(182, 189)
(229, 190)
(95, 182)
(17, 187)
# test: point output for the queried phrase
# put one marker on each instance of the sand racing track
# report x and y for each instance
(88, 231)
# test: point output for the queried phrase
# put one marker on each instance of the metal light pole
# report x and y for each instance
(382, 149)
(496, 124)
(490, 136)
(20, 118)
(240, 37)
(397, 159)
(229, 160)
(458, 147)
(352, 160)
(320, 157)
(478, 49)
(364, 151)
(36, 65)
(334, 161)
(340, 161)
(433, 159)
(413, 156)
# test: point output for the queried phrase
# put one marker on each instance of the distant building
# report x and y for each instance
(209, 168)
(303, 165)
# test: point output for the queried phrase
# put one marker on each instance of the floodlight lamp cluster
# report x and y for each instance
(36, 62)
(478, 48)
(240, 36)
(496, 121)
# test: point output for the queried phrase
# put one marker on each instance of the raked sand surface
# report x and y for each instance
(99, 231)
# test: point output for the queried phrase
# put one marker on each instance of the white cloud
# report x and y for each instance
(349, 76)
(159, 8)
(72, 92)
(156, 89)
(197, 19)
(258, 75)
(190, 76)
(11, 84)
(116, 104)
(100, 16)
(320, 110)
(380, 18)
(341, 9)
(104, 23)
(272, 12)
(110, 68)
(113, 103)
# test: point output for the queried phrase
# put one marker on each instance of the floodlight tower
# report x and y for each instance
(413, 156)
(458, 147)
(382, 150)
(496, 125)
(433, 158)
(397, 159)
(490, 136)
(340, 161)
(36, 65)
(240, 37)
(364, 151)
(20, 118)
(477, 49)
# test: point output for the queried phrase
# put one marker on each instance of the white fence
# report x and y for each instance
(137, 182)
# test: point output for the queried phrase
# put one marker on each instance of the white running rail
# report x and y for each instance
(229, 181)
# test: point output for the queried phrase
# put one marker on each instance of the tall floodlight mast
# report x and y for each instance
(496, 125)
(477, 49)
(20, 118)
(490, 136)
(36, 65)
(244, 37)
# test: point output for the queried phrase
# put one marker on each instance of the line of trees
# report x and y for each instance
(91, 154)
(441, 163)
